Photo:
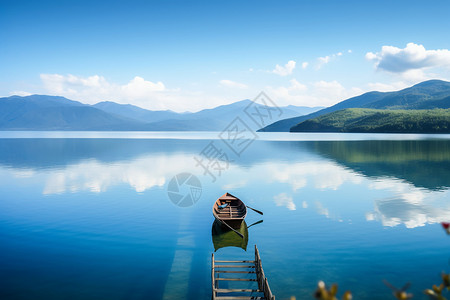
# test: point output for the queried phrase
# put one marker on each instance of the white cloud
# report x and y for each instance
(70, 84)
(96, 88)
(415, 76)
(305, 65)
(138, 91)
(385, 87)
(232, 84)
(412, 57)
(329, 87)
(321, 61)
(284, 200)
(20, 93)
(286, 70)
(140, 88)
(320, 93)
(297, 86)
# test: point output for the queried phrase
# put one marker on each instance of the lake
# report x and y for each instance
(128, 215)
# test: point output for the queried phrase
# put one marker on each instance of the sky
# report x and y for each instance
(192, 55)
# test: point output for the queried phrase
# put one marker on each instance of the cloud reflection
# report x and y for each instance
(91, 175)
(411, 206)
(322, 174)
(284, 200)
(402, 203)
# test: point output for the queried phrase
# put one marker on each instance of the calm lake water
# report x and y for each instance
(88, 216)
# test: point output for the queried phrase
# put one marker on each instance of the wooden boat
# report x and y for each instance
(224, 237)
(230, 210)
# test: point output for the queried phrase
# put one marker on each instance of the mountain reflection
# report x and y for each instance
(424, 163)
(408, 181)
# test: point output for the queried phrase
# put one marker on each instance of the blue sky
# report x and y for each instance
(184, 55)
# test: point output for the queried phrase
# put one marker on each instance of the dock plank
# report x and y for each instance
(240, 297)
(234, 261)
(242, 272)
(237, 290)
(260, 287)
(234, 266)
(236, 279)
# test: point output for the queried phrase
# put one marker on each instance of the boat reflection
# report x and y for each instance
(224, 237)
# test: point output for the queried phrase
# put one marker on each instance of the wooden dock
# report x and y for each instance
(249, 271)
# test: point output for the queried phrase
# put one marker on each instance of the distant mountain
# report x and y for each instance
(134, 112)
(426, 95)
(40, 112)
(216, 119)
(379, 121)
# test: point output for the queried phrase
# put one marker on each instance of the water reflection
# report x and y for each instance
(412, 210)
(335, 210)
(224, 237)
(423, 163)
(407, 181)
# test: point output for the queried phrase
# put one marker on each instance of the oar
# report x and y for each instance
(259, 212)
(238, 233)
(256, 223)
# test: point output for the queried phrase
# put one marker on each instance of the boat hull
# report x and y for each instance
(234, 212)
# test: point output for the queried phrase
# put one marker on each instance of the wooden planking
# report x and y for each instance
(237, 290)
(240, 297)
(236, 279)
(235, 261)
(242, 272)
(234, 266)
(256, 265)
(228, 198)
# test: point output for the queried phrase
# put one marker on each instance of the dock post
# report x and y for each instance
(213, 278)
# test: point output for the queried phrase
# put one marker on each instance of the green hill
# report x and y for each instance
(425, 95)
(380, 121)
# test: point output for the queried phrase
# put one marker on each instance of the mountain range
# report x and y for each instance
(42, 112)
(369, 120)
(425, 95)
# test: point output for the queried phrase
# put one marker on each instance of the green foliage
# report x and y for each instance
(322, 293)
(379, 121)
